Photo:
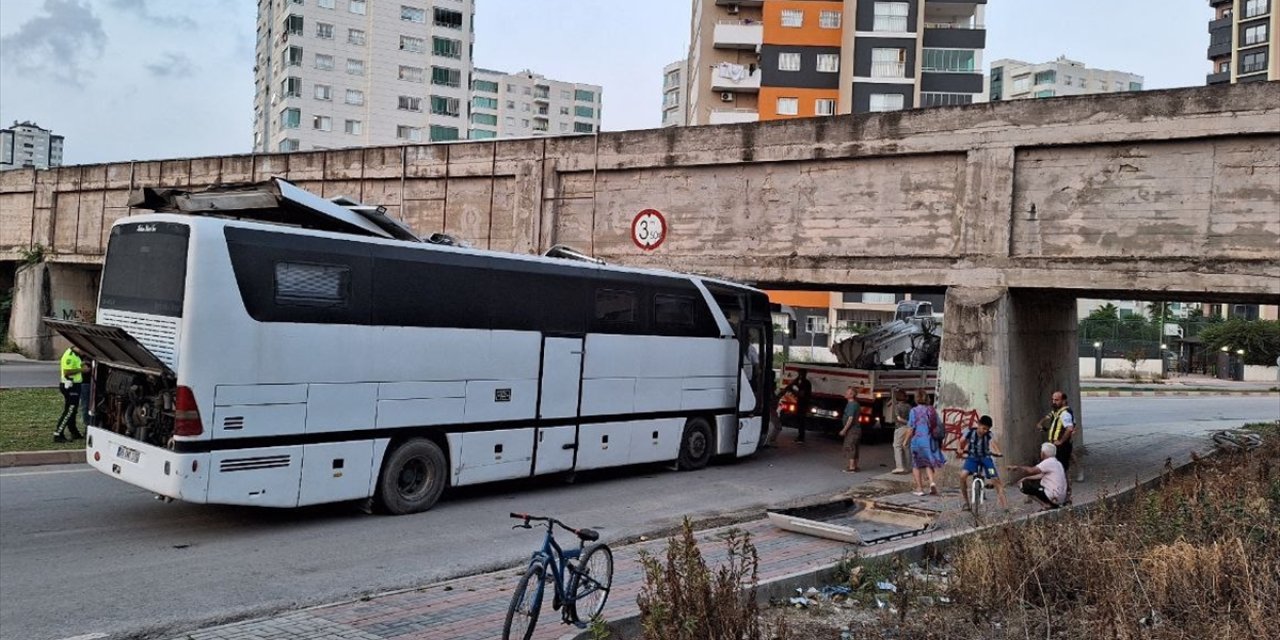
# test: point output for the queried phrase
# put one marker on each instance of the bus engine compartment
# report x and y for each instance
(136, 405)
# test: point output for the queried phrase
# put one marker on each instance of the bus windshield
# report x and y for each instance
(146, 268)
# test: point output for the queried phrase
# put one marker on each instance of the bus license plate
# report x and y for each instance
(127, 454)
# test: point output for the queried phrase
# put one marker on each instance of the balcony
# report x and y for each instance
(1218, 78)
(733, 116)
(743, 79)
(738, 34)
(945, 35)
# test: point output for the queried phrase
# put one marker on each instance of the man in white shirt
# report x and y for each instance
(1047, 481)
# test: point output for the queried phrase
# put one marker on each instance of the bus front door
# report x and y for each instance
(561, 385)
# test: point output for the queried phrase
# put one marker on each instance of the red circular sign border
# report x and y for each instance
(665, 229)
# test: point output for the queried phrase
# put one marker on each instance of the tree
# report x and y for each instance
(1260, 339)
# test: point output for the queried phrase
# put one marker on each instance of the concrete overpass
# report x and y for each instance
(1015, 207)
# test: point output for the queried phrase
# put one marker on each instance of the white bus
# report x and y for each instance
(264, 346)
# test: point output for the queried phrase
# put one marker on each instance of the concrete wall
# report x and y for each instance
(66, 292)
(1164, 191)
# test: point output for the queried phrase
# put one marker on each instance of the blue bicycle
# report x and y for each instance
(580, 588)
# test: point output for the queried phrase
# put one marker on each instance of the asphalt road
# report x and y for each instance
(81, 553)
(28, 373)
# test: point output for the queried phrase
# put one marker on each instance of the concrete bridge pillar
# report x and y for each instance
(43, 289)
(1003, 353)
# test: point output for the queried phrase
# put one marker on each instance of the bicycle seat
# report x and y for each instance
(587, 535)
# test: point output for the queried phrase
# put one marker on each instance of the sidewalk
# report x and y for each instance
(474, 607)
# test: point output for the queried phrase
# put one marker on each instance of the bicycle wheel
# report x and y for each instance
(522, 614)
(977, 492)
(589, 586)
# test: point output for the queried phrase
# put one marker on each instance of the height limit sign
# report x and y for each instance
(648, 229)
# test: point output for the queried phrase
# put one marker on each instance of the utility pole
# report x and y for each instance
(1164, 364)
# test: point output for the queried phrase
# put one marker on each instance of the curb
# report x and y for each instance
(35, 458)
(1155, 393)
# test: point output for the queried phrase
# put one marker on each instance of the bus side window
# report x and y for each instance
(673, 315)
(616, 309)
(312, 285)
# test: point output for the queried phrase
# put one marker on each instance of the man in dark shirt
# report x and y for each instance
(851, 429)
(802, 389)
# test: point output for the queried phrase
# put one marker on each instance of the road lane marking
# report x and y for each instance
(43, 473)
(86, 636)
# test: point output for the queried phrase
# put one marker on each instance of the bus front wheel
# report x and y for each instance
(413, 477)
(695, 445)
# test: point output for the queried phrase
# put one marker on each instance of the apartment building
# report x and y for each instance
(755, 60)
(26, 144)
(341, 73)
(529, 104)
(1243, 45)
(1015, 79)
(675, 93)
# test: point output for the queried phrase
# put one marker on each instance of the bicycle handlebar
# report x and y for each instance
(551, 522)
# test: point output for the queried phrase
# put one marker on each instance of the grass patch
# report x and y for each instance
(27, 419)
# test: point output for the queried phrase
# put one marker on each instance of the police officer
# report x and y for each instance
(1060, 425)
(72, 380)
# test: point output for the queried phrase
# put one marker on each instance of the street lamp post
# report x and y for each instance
(1224, 360)
(1097, 359)
(1240, 364)
(1164, 362)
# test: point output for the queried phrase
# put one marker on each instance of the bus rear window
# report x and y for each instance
(146, 268)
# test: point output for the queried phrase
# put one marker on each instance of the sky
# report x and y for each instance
(147, 79)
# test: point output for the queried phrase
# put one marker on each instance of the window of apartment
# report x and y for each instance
(1253, 61)
(788, 106)
(355, 67)
(1135, 86)
(1255, 8)
(1045, 93)
(1256, 34)
(484, 118)
(1046, 77)
(289, 144)
(444, 106)
(792, 18)
(949, 60)
(524, 122)
(511, 122)
(891, 16)
(291, 87)
(444, 76)
(583, 127)
(1224, 66)
(298, 2)
(439, 133)
(524, 106)
(479, 102)
(526, 90)
(1066, 80)
(412, 74)
(483, 134)
(447, 18)
(355, 96)
(584, 112)
(511, 104)
(413, 14)
(355, 36)
(446, 47)
(486, 86)
(356, 7)
(321, 123)
(564, 127)
(886, 102)
(829, 19)
(582, 95)
(405, 132)
(1022, 84)
(824, 107)
(323, 92)
(324, 62)
(788, 62)
(815, 324)
(293, 56)
(290, 118)
(888, 63)
(353, 127)
(943, 99)
(324, 31)
(412, 44)
(565, 94)
(409, 103)
(326, 4)
(828, 62)
(293, 25)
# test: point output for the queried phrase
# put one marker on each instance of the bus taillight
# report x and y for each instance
(186, 416)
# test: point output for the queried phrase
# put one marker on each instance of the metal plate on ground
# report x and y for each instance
(854, 521)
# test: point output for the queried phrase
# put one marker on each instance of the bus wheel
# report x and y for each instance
(412, 477)
(695, 445)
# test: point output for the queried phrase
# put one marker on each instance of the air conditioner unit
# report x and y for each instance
(732, 9)
(726, 96)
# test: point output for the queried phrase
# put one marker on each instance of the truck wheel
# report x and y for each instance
(695, 445)
(412, 478)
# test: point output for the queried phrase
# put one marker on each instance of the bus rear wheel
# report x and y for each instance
(695, 445)
(412, 478)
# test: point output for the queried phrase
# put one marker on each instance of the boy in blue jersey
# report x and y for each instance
(977, 446)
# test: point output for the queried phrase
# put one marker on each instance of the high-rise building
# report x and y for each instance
(1015, 79)
(341, 73)
(1243, 45)
(528, 104)
(28, 145)
(769, 59)
(675, 93)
